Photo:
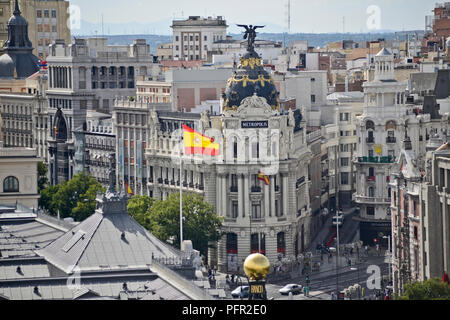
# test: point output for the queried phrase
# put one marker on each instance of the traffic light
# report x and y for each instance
(375, 240)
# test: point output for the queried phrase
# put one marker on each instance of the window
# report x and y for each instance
(11, 184)
(46, 14)
(281, 243)
(345, 162)
(256, 210)
(206, 38)
(370, 211)
(53, 13)
(234, 209)
(177, 39)
(344, 116)
(313, 98)
(232, 243)
(344, 178)
(255, 150)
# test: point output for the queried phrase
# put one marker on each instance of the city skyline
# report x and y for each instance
(352, 16)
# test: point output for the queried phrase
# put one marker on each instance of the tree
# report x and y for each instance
(74, 198)
(138, 207)
(200, 224)
(42, 176)
(46, 199)
(432, 289)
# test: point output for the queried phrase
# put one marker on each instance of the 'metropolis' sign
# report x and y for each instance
(254, 124)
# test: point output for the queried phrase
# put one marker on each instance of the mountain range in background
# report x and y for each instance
(160, 32)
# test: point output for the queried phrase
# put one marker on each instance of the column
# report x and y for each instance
(445, 237)
(219, 197)
(223, 195)
(272, 197)
(246, 196)
(285, 195)
(267, 205)
(240, 184)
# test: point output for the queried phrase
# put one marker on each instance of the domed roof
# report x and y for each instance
(250, 78)
(17, 19)
(18, 60)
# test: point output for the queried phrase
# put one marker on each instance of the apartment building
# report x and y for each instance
(194, 37)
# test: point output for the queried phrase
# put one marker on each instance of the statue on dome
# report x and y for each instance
(250, 34)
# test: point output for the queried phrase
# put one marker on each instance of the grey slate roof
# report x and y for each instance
(20, 239)
(97, 244)
(151, 288)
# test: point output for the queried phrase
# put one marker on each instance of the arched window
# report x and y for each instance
(281, 243)
(11, 184)
(370, 125)
(391, 125)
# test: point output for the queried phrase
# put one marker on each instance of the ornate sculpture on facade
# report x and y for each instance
(204, 121)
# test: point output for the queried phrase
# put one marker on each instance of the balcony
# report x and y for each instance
(371, 179)
(256, 189)
(160, 180)
(382, 160)
(370, 140)
(172, 182)
(234, 189)
(391, 140)
(372, 200)
(300, 182)
(166, 181)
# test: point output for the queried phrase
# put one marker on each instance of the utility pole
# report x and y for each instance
(337, 251)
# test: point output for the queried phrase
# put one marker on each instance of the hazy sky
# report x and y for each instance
(316, 16)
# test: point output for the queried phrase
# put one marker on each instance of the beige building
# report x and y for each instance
(18, 177)
(47, 21)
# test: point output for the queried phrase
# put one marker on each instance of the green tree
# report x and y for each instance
(74, 198)
(42, 176)
(200, 225)
(138, 207)
(432, 289)
(46, 200)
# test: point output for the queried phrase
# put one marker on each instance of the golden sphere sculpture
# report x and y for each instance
(256, 267)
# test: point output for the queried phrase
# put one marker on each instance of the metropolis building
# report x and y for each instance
(254, 137)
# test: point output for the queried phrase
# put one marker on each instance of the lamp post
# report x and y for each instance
(337, 252)
(390, 256)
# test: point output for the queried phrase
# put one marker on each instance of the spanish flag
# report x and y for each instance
(264, 178)
(196, 143)
(129, 191)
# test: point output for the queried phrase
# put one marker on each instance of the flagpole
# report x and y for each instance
(181, 197)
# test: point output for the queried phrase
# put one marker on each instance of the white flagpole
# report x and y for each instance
(181, 193)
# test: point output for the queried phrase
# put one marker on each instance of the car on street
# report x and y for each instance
(241, 292)
(294, 288)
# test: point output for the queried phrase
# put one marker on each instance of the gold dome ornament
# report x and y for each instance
(256, 267)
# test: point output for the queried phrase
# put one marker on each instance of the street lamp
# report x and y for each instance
(337, 252)
(390, 256)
